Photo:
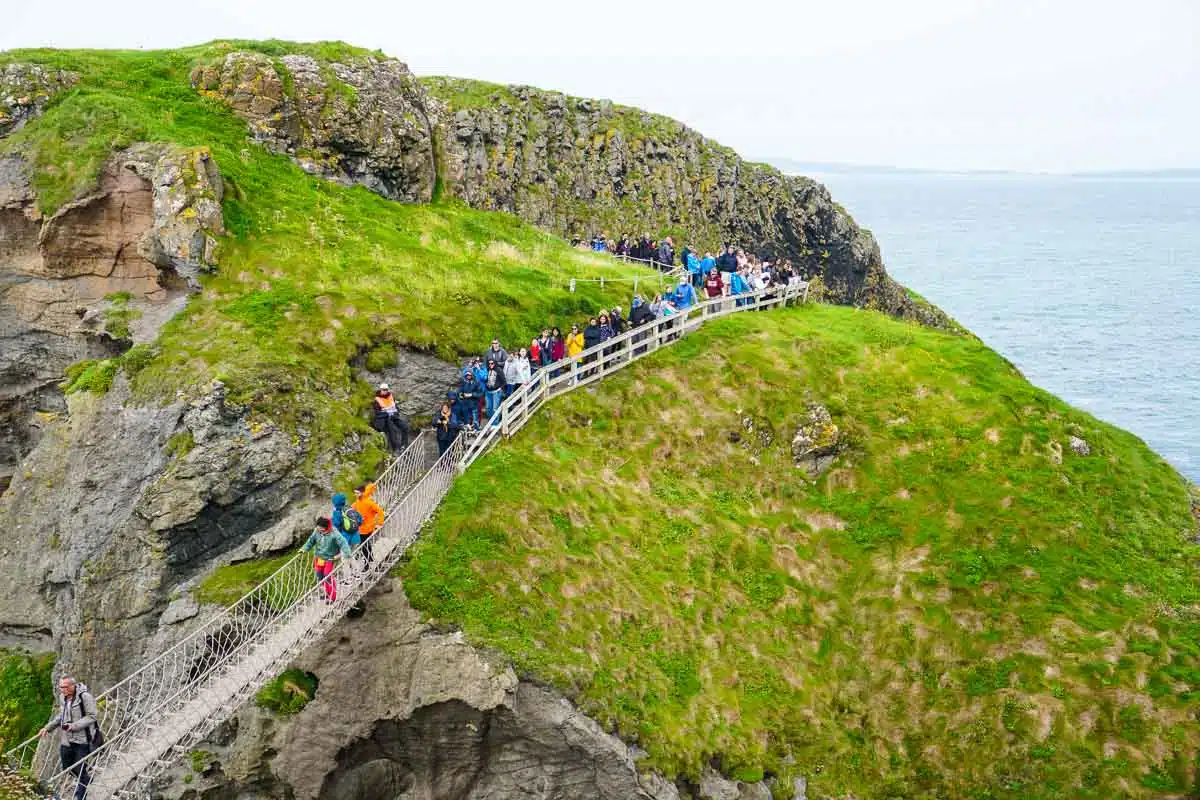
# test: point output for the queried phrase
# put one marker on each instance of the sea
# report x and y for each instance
(1089, 284)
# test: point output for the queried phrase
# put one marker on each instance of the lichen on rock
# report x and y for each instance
(817, 442)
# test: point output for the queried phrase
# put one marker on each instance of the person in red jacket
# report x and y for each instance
(713, 285)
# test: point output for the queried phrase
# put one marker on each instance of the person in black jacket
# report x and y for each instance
(666, 254)
(591, 338)
(727, 261)
(446, 426)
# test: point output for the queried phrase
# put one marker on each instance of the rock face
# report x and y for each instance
(420, 381)
(143, 234)
(358, 123)
(402, 711)
(131, 501)
(25, 89)
(577, 166)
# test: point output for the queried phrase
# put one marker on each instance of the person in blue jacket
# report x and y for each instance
(346, 520)
(707, 263)
(685, 295)
(738, 285)
(693, 267)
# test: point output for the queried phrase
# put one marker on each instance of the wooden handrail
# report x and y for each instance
(609, 356)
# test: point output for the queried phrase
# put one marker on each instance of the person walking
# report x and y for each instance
(517, 371)
(496, 353)
(372, 517)
(346, 520)
(494, 387)
(558, 348)
(714, 287)
(326, 545)
(685, 295)
(480, 370)
(535, 354)
(388, 420)
(78, 730)
(446, 427)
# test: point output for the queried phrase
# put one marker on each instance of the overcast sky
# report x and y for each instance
(1052, 85)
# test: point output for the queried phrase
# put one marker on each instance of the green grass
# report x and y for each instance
(26, 695)
(311, 273)
(946, 613)
(288, 693)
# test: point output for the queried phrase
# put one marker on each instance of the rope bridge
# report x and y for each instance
(156, 716)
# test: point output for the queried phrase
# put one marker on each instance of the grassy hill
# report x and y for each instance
(949, 612)
(312, 273)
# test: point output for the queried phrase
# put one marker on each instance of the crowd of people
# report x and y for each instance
(661, 254)
(488, 379)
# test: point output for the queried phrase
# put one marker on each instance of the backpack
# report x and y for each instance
(94, 734)
(351, 519)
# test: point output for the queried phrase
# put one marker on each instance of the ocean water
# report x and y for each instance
(1091, 286)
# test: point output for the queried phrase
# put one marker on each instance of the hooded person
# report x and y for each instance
(685, 295)
(326, 545)
(445, 427)
(640, 312)
(346, 520)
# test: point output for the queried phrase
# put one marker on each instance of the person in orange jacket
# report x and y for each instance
(372, 516)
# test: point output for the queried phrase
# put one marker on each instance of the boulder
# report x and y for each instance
(817, 442)
(1079, 446)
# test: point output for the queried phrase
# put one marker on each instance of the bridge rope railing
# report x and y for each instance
(153, 717)
(123, 708)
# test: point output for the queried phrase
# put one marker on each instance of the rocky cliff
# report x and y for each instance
(579, 166)
(119, 501)
(99, 274)
(566, 164)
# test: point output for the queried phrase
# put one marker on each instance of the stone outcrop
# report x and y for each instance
(25, 89)
(404, 711)
(143, 234)
(118, 506)
(817, 442)
(361, 122)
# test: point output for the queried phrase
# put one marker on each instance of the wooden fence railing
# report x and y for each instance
(617, 353)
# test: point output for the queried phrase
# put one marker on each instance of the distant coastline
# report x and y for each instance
(794, 166)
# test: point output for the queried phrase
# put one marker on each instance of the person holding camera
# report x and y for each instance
(77, 728)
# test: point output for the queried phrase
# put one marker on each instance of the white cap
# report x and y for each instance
(384, 386)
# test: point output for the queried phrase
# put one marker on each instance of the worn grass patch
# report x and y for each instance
(311, 273)
(945, 613)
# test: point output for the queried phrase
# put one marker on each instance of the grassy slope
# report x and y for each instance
(946, 614)
(311, 273)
